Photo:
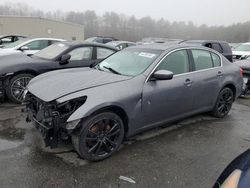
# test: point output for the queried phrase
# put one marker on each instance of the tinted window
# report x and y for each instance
(202, 59)
(106, 40)
(217, 47)
(131, 44)
(81, 53)
(38, 45)
(216, 60)
(102, 53)
(177, 62)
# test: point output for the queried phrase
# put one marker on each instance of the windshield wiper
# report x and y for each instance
(111, 70)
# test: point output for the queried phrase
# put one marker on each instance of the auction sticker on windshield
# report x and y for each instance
(147, 55)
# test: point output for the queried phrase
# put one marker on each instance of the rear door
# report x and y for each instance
(164, 100)
(208, 77)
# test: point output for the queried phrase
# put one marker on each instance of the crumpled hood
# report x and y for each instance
(56, 84)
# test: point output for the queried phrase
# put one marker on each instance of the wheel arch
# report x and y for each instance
(117, 110)
(232, 87)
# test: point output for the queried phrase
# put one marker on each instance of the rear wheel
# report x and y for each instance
(16, 86)
(224, 103)
(101, 135)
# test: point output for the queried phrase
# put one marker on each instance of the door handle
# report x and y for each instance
(220, 74)
(188, 82)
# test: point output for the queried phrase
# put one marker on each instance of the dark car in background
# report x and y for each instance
(6, 39)
(245, 65)
(17, 70)
(135, 89)
(100, 39)
(220, 46)
(120, 45)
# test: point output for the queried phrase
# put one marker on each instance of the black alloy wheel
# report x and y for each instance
(100, 136)
(16, 87)
(224, 103)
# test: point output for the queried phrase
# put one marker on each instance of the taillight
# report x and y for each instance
(241, 71)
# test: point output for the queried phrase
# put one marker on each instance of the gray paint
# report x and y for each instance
(146, 103)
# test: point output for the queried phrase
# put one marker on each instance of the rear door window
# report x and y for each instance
(177, 62)
(202, 59)
(216, 60)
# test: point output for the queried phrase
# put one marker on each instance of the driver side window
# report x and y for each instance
(177, 62)
(82, 53)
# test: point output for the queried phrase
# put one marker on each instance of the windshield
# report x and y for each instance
(52, 51)
(131, 62)
(243, 47)
(14, 44)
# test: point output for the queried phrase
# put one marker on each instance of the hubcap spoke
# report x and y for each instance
(91, 150)
(114, 133)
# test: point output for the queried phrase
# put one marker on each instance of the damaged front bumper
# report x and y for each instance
(50, 119)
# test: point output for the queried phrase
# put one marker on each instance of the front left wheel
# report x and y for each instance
(100, 136)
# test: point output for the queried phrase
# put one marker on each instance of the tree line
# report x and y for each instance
(130, 28)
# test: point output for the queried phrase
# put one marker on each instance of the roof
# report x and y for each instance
(168, 46)
(77, 43)
(202, 41)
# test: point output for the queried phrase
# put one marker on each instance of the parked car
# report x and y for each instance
(17, 70)
(6, 39)
(234, 45)
(242, 51)
(245, 65)
(220, 46)
(28, 46)
(120, 45)
(137, 88)
(102, 40)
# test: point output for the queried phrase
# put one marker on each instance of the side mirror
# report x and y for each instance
(23, 48)
(65, 59)
(1, 42)
(162, 75)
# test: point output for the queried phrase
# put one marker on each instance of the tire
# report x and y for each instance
(100, 136)
(224, 103)
(16, 87)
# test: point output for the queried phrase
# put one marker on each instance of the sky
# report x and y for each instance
(210, 12)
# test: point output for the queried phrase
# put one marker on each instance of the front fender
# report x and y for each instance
(89, 107)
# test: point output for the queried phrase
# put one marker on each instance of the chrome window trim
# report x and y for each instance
(186, 48)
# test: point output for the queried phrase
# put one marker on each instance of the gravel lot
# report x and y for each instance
(191, 153)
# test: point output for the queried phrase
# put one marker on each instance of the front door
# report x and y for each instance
(165, 100)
